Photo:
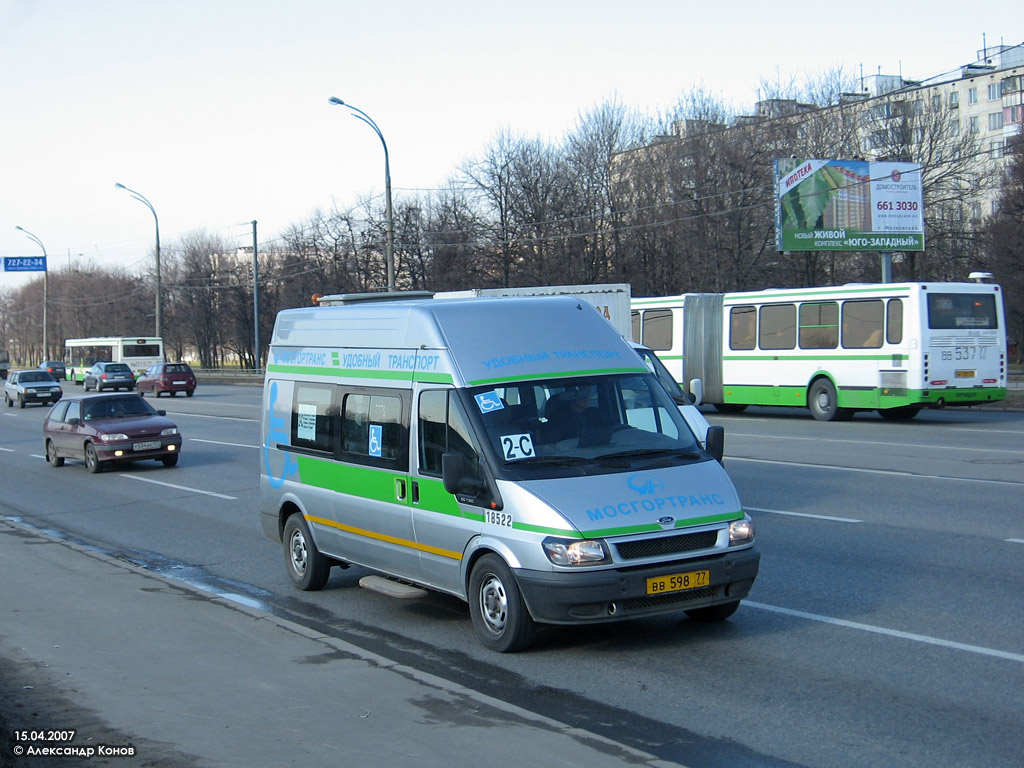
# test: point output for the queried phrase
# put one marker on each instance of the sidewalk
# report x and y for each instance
(176, 677)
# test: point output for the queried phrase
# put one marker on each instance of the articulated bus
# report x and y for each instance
(139, 352)
(890, 347)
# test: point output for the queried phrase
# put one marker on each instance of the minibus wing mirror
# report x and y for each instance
(715, 442)
(456, 475)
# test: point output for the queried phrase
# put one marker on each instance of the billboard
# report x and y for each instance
(848, 205)
(23, 264)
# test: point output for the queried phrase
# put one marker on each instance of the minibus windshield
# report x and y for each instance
(612, 422)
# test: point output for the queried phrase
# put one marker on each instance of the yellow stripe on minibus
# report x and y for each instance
(384, 537)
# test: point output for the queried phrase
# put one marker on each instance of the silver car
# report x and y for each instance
(31, 387)
(109, 376)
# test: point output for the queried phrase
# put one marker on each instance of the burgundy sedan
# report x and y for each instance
(107, 429)
(167, 377)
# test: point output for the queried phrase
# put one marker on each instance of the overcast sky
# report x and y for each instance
(217, 111)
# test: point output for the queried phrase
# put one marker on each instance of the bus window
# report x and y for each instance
(312, 420)
(894, 321)
(862, 324)
(742, 328)
(950, 311)
(778, 327)
(819, 325)
(635, 318)
(658, 328)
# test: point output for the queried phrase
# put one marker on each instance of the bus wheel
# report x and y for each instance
(904, 413)
(308, 569)
(822, 402)
(500, 616)
(730, 407)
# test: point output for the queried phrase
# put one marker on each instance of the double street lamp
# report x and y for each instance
(145, 202)
(389, 248)
(46, 272)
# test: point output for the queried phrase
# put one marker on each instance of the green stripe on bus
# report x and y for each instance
(424, 376)
(687, 523)
(554, 375)
(812, 358)
(868, 398)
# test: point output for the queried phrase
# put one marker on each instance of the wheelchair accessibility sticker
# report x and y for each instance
(488, 401)
(376, 440)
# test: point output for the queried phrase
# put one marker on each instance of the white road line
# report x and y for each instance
(805, 514)
(841, 441)
(176, 414)
(890, 632)
(1015, 541)
(895, 472)
(8, 450)
(221, 442)
(179, 487)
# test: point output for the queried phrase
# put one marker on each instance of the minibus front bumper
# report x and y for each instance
(595, 596)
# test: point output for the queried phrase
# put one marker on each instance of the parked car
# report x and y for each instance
(55, 368)
(33, 386)
(108, 376)
(167, 377)
(109, 428)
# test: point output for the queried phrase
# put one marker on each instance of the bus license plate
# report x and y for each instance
(149, 445)
(676, 582)
(966, 374)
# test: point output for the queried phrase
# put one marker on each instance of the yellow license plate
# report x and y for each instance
(676, 582)
(965, 374)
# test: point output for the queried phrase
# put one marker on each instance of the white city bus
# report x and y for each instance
(139, 352)
(890, 347)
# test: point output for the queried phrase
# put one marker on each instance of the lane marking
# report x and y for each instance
(890, 632)
(221, 442)
(176, 414)
(179, 487)
(8, 450)
(958, 448)
(805, 514)
(1015, 541)
(895, 472)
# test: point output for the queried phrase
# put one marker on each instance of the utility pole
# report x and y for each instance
(256, 295)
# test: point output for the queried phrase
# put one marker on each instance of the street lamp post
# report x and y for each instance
(389, 248)
(46, 273)
(145, 202)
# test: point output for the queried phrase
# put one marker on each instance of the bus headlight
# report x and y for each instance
(576, 551)
(741, 531)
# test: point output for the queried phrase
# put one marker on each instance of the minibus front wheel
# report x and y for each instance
(307, 567)
(499, 614)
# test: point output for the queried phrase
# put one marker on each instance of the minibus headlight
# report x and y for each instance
(576, 551)
(741, 531)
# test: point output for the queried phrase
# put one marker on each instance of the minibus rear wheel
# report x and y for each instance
(308, 569)
(500, 616)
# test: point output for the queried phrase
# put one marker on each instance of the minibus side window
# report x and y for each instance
(372, 428)
(443, 428)
(312, 417)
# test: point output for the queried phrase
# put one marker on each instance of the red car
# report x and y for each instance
(167, 377)
(107, 429)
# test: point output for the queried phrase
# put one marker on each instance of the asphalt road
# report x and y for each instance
(885, 628)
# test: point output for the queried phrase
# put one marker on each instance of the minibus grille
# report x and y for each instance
(645, 603)
(667, 545)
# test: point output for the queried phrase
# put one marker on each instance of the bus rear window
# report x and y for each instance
(961, 311)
